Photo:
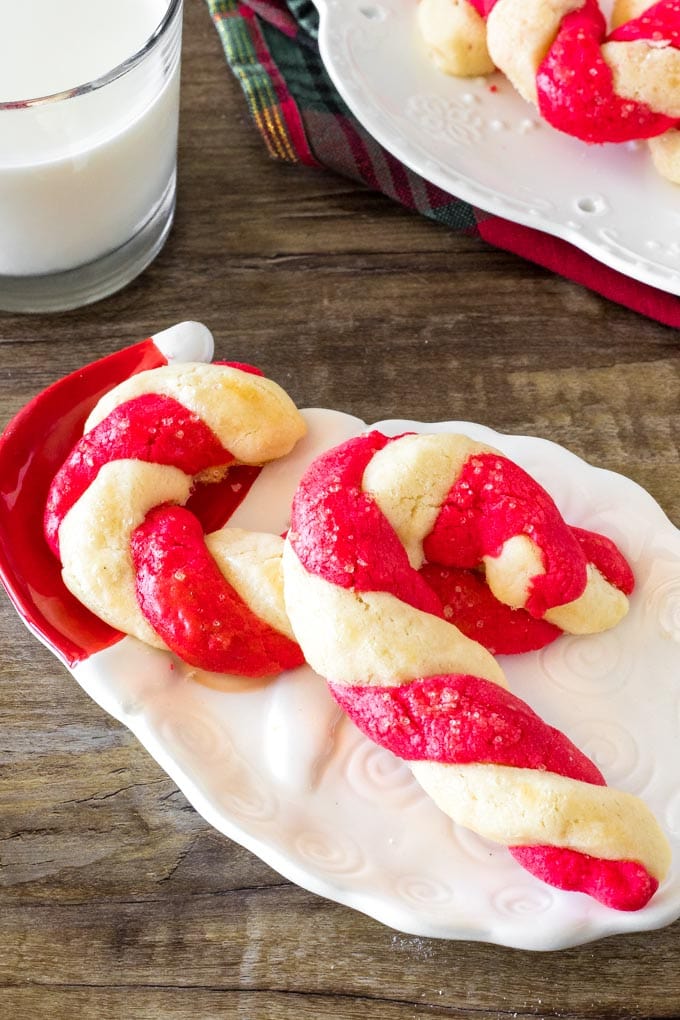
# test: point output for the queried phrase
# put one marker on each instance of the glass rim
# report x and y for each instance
(116, 72)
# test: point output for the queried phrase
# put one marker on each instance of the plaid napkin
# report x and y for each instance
(272, 50)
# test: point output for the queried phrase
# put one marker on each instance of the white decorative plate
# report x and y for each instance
(274, 765)
(477, 139)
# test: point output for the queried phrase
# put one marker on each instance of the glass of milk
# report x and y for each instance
(89, 101)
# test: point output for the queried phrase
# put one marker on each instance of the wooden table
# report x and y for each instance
(117, 899)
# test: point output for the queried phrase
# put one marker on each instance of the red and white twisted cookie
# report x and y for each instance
(131, 551)
(363, 517)
(594, 85)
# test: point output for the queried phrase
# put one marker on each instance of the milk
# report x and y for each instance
(79, 177)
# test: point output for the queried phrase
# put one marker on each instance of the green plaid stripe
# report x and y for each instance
(246, 53)
(299, 111)
(306, 15)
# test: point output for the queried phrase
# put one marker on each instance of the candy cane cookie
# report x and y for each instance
(370, 624)
(137, 557)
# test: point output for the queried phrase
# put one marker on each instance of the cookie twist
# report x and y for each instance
(137, 557)
(596, 86)
(363, 517)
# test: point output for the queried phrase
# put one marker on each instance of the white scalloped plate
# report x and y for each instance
(477, 139)
(276, 767)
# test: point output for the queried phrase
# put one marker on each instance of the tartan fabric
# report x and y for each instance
(271, 48)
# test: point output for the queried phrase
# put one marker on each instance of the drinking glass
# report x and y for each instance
(87, 179)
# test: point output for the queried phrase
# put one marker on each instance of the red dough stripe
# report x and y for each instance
(575, 85)
(340, 534)
(660, 24)
(468, 602)
(492, 501)
(194, 609)
(622, 885)
(146, 428)
(460, 720)
(604, 554)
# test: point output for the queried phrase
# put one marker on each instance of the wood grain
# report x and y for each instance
(116, 899)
